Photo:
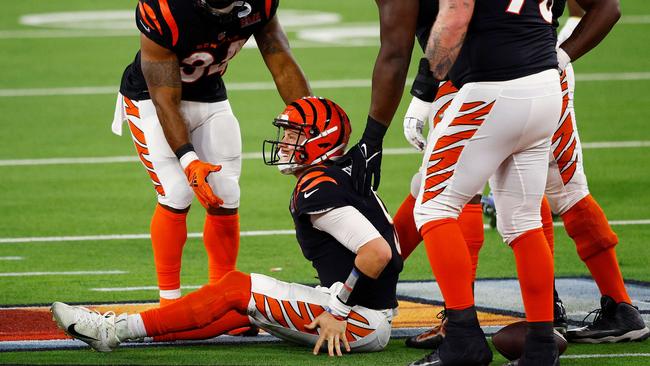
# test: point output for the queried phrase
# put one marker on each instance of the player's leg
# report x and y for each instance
(218, 141)
(104, 332)
(587, 225)
(283, 309)
(168, 224)
(226, 324)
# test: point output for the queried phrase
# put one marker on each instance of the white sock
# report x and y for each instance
(136, 326)
(170, 294)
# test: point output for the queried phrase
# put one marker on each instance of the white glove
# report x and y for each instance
(418, 113)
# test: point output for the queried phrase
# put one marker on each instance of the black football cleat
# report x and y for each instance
(540, 348)
(431, 338)
(560, 321)
(463, 345)
(613, 323)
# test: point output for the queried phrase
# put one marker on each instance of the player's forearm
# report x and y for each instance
(164, 85)
(291, 81)
(388, 78)
(373, 257)
(599, 18)
(447, 35)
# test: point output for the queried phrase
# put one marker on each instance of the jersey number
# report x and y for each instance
(545, 8)
(202, 63)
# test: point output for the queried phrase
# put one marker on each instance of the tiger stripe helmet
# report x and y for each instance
(325, 127)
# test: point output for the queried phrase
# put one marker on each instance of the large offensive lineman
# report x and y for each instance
(566, 189)
(174, 100)
(349, 239)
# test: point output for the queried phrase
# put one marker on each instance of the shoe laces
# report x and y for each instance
(598, 314)
(442, 314)
(94, 318)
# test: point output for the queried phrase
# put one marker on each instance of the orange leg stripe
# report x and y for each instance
(131, 109)
(299, 319)
(449, 140)
(563, 134)
(445, 89)
(438, 117)
(316, 310)
(276, 311)
(358, 317)
(444, 159)
(358, 331)
(260, 304)
(437, 179)
(474, 118)
(431, 194)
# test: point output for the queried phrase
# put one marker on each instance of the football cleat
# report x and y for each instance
(560, 321)
(431, 338)
(92, 327)
(613, 322)
(489, 209)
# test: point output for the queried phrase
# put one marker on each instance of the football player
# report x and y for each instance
(349, 239)
(174, 100)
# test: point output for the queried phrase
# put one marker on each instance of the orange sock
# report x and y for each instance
(547, 224)
(407, 232)
(221, 239)
(470, 221)
(607, 274)
(450, 261)
(168, 236)
(535, 271)
(587, 225)
(232, 320)
(201, 307)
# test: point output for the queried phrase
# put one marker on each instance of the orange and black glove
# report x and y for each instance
(197, 172)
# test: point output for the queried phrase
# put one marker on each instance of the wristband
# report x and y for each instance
(339, 303)
(186, 155)
(425, 85)
(374, 132)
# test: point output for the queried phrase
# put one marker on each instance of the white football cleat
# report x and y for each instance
(92, 327)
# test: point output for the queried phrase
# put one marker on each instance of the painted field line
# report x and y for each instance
(258, 155)
(74, 273)
(138, 288)
(50, 239)
(259, 86)
(611, 355)
(54, 239)
(11, 258)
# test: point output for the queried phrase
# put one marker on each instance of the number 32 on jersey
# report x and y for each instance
(545, 8)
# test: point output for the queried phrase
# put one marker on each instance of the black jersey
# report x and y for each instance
(202, 43)
(506, 39)
(426, 16)
(323, 188)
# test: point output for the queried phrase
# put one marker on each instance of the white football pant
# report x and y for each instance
(498, 131)
(214, 132)
(283, 309)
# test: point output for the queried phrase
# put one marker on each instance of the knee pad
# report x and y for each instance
(225, 183)
(587, 225)
(178, 195)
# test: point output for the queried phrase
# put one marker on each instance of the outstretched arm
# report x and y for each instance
(287, 75)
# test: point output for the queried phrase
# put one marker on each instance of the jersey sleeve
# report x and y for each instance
(155, 20)
(270, 8)
(318, 192)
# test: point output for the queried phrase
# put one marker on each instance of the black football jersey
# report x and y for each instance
(321, 189)
(426, 16)
(506, 39)
(203, 44)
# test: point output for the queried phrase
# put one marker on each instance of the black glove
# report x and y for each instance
(366, 158)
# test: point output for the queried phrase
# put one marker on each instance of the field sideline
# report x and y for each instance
(76, 203)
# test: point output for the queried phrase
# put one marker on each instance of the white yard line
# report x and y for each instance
(11, 258)
(73, 273)
(55, 239)
(259, 86)
(611, 355)
(139, 288)
(258, 154)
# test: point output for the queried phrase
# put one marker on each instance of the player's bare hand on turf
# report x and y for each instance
(197, 175)
(332, 330)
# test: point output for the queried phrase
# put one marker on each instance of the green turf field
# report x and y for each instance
(44, 199)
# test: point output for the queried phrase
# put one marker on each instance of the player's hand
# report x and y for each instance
(332, 330)
(366, 166)
(197, 175)
(418, 113)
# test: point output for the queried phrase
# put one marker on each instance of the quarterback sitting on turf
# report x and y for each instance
(348, 237)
